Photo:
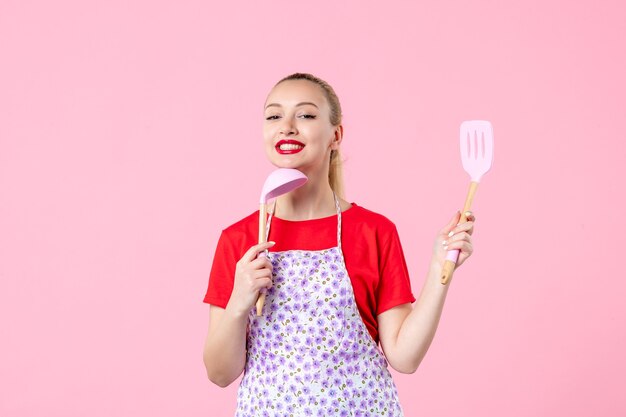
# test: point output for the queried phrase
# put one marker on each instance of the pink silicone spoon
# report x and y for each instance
(477, 157)
(279, 182)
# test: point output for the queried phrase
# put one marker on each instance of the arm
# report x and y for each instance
(225, 345)
(406, 332)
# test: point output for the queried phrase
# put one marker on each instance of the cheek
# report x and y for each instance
(270, 129)
(267, 146)
(317, 133)
(267, 136)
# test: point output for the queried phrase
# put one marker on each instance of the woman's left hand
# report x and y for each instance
(461, 239)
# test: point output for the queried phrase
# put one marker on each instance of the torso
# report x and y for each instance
(309, 353)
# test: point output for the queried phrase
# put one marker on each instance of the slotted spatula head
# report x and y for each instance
(476, 147)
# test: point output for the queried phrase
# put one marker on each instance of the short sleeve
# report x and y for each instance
(395, 284)
(222, 274)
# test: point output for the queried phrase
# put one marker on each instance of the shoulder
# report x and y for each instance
(243, 223)
(370, 225)
(244, 229)
(369, 217)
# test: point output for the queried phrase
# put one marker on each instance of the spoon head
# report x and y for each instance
(280, 182)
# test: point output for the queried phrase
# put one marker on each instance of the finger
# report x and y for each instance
(459, 237)
(254, 251)
(470, 230)
(262, 283)
(462, 227)
(262, 273)
(462, 245)
(471, 217)
(453, 222)
(261, 262)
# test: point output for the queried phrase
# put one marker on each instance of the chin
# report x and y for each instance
(290, 166)
(285, 163)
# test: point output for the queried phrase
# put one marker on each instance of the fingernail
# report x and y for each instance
(445, 247)
(272, 242)
(445, 242)
(450, 234)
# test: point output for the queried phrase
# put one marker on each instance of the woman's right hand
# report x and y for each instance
(252, 273)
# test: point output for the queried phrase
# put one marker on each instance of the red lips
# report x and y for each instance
(289, 142)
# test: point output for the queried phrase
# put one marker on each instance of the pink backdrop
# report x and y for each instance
(130, 135)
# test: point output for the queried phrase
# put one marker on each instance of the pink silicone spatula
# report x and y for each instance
(477, 156)
(279, 182)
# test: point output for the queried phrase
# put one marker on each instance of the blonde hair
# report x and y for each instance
(335, 169)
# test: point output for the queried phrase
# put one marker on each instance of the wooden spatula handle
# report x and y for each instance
(448, 266)
(262, 239)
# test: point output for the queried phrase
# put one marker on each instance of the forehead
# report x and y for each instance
(292, 92)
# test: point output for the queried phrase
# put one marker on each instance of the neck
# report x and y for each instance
(313, 200)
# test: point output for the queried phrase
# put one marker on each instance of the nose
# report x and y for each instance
(287, 127)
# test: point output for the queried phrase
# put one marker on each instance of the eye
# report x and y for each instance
(271, 117)
(309, 116)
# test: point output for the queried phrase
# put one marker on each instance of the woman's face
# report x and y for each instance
(297, 129)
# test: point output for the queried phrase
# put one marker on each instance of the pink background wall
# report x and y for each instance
(130, 135)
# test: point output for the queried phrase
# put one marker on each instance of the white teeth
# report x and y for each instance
(290, 147)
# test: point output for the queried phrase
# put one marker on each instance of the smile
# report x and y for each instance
(289, 146)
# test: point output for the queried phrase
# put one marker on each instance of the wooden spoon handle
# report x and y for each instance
(262, 239)
(259, 304)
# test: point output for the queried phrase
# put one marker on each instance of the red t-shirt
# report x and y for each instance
(370, 244)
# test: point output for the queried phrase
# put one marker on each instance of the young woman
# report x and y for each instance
(336, 279)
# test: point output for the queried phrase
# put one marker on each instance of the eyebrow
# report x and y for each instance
(299, 104)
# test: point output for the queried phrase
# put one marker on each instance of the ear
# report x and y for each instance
(337, 138)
